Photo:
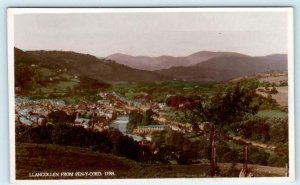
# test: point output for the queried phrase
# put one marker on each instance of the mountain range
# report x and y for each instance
(205, 65)
(200, 66)
(226, 67)
(164, 61)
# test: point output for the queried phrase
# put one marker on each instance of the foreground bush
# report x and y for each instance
(111, 141)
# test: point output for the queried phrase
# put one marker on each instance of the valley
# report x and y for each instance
(169, 116)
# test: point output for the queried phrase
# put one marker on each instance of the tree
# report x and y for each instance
(25, 76)
(226, 106)
(137, 119)
(58, 117)
(148, 117)
(174, 139)
(279, 131)
(127, 147)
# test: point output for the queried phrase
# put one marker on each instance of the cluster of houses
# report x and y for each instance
(34, 112)
(96, 116)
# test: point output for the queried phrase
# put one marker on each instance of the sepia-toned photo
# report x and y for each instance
(137, 93)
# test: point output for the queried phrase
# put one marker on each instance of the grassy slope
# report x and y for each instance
(50, 158)
(55, 158)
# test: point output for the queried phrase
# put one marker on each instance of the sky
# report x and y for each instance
(154, 33)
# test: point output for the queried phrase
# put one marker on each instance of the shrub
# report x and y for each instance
(67, 135)
(226, 153)
(279, 131)
(257, 156)
(278, 160)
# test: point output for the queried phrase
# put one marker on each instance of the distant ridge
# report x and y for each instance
(225, 67)
(165, 61)
(205, 65)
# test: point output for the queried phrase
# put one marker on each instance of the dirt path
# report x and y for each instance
(253, 143)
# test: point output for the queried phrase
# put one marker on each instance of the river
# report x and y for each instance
(120, 123)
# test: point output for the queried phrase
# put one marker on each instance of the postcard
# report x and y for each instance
(161, 94)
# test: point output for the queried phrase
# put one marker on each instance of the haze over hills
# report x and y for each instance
(164, 61)
(205, 65)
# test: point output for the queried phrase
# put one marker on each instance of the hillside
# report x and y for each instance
(225, 67)
(164, 62)
(55, 158)
(39, 79)
(86, 66)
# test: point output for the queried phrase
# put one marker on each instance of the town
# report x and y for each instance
(97, 116)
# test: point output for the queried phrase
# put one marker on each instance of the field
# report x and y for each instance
(160, 90)
(274, 79)
(60, 81)
(281, 97)
(272, 114)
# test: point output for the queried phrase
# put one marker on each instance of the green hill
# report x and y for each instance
(51, 74)
(88, 66)
(34, 77)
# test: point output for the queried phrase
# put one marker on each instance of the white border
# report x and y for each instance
(11, 93)
(291, 92)
(10, 30)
